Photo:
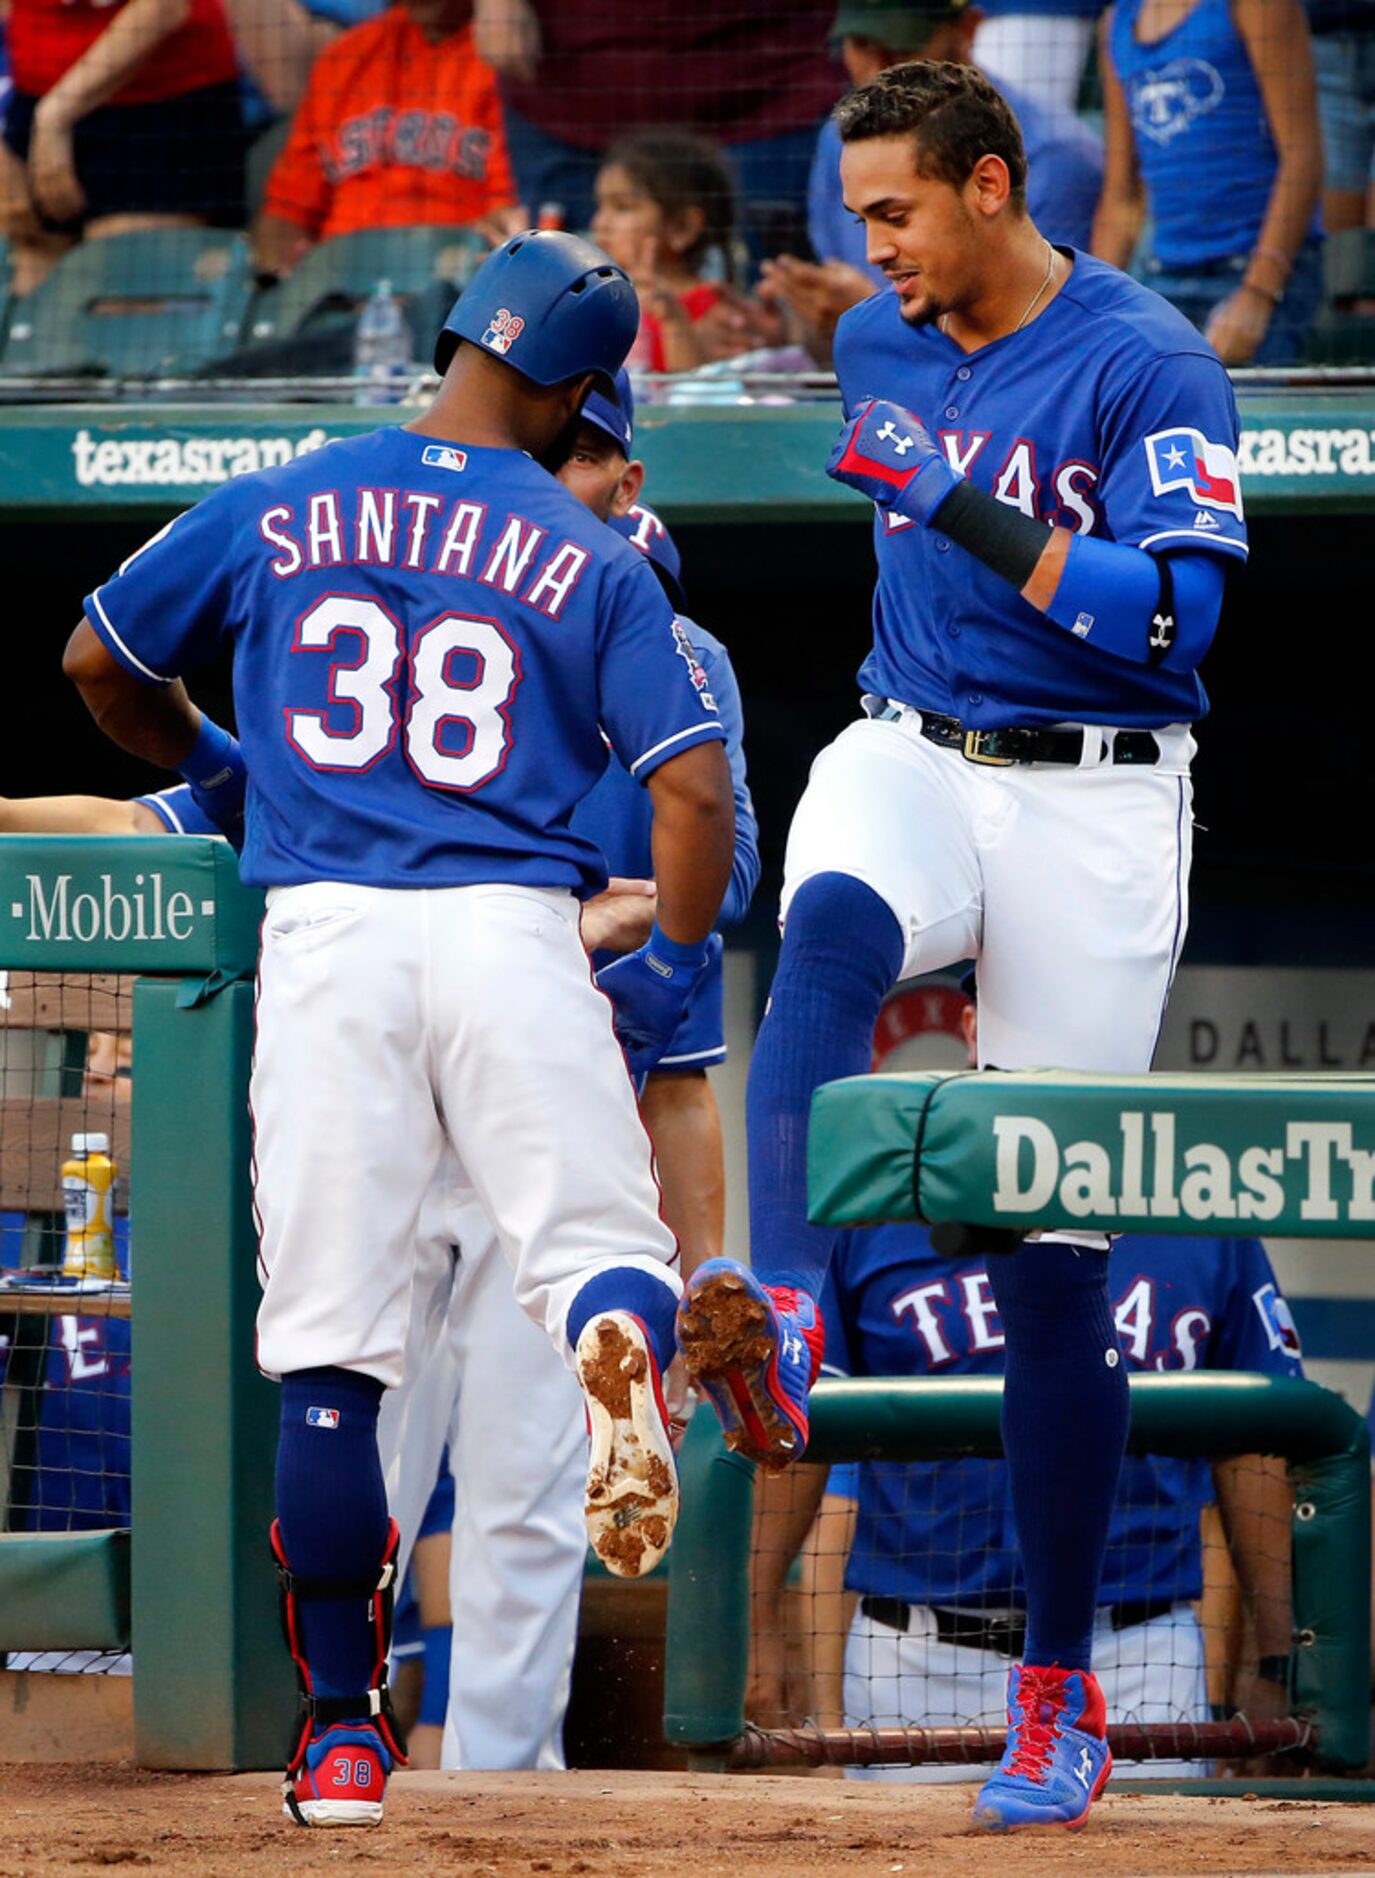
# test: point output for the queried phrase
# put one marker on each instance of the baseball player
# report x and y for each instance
(430, 637)
(932, 1553)
(518, 1543)
(1051, 451)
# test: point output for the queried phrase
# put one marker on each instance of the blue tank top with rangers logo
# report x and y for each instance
(1202, 138)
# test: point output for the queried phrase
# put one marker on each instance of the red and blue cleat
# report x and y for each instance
(756, 1351)
(341, 1778)
(1057, 1758)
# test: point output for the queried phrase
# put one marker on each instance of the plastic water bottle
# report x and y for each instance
(381, 349)
(88, 1180)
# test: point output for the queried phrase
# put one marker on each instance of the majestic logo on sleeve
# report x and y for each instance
(505, 329)
(1185, 459)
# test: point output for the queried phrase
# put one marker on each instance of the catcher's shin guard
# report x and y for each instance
(370, 1706)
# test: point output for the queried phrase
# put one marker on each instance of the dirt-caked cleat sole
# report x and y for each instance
(632, 1477)
(730, 1334)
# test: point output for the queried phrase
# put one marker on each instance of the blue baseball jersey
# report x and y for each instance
(178, 811)
(429, 643)
(80, 1481)
(1201, 133)
(618, 816)
(942, 1532)
(1109, 415)
(1064, 180)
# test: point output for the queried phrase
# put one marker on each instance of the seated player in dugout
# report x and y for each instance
(916, 1602)
(399, 124)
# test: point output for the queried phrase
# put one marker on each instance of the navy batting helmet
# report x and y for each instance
(549, 304)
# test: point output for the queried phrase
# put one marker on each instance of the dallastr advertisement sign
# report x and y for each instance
(1160, 1153)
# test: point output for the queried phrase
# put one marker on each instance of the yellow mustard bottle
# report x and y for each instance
(88, 1181)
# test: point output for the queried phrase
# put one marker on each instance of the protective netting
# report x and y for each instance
(65, 1329)
(220, 189)
(888, 1606)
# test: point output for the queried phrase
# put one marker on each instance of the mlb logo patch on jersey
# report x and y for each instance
(696, 670)
(322, 1418)
(505, 329)
(1278, 1320)
(1185, 459)
(444, 456)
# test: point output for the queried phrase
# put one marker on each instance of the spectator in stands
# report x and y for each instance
(1212, 127)
(1344, 59)
(666, 213)
(124, 115)
(399, 124)
(749, 74)
(280, 40)
(931, 1551)
(1064, 161)
(1038, 47)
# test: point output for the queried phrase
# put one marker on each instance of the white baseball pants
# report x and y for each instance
(1151, 1672)
(1069, 885)
(389, 1020)
(492, 1388)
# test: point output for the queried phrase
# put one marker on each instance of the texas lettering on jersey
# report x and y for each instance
(1156, 1332)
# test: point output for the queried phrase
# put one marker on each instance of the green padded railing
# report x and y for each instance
(191, 1585)
(1324, 1440)
(1046, 1148)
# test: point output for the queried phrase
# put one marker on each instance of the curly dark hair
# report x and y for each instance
(952, 113)
(681, 171)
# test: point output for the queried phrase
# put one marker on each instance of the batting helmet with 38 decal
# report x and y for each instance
(550, 305)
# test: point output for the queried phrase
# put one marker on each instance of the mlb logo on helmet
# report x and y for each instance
(1185, 459)
(505, 329)
(322, 1418)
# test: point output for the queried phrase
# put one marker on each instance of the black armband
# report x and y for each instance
(1164, 621)
(1001, 537)
(1274, 1669)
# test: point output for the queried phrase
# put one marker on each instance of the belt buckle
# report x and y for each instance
(973, 751)
(1006, 1636)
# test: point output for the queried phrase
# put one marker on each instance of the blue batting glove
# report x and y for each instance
(888, 455)
(214, 767)
(649, 991)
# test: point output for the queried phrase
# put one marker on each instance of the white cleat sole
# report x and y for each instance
(336, 1812)
(632, 1477)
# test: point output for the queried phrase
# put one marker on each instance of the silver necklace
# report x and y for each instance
(1050, 263)
(1031, 303)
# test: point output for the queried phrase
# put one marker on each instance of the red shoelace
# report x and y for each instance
(1041, 1700)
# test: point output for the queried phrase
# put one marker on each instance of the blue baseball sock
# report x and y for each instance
(1065, 1413)
(332, 1506)
(842, 952)
(628, 1288)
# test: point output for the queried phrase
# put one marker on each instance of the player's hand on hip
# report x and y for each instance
(889, 455)
(649, 992)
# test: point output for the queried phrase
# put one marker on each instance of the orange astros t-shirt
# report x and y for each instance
(392, 130)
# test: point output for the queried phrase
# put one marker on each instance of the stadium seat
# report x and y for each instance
(336, 276)
(153, 303)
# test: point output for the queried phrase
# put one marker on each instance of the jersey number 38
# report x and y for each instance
(455, 734)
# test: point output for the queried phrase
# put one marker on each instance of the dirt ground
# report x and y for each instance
(78, 1820)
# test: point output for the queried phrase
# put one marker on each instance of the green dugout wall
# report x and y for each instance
(192, 1586)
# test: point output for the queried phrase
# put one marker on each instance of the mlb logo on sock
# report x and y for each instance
(322, 1418)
